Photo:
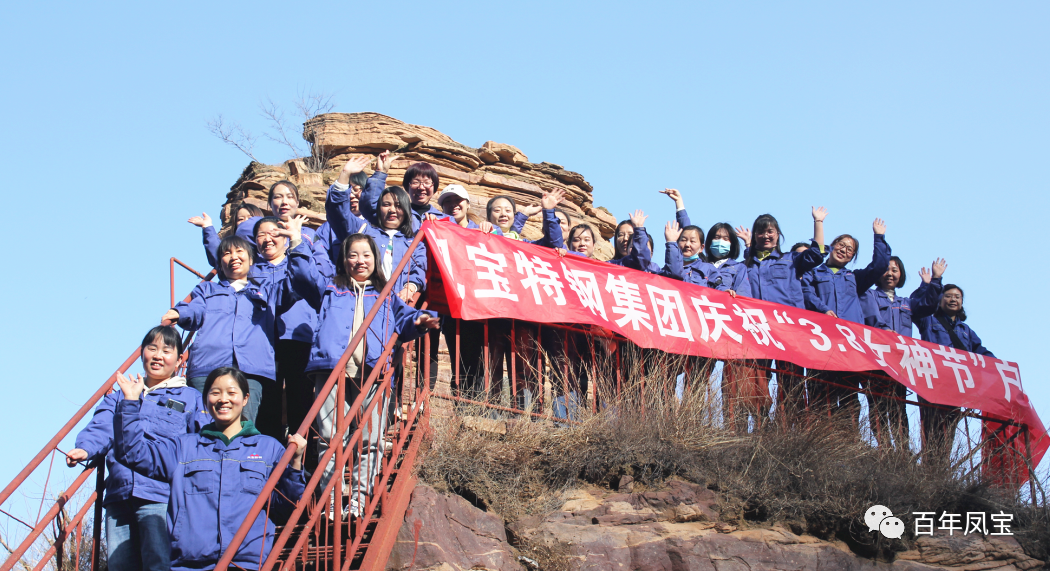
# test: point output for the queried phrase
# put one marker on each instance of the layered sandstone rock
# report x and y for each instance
(491, 170)
(671, 529)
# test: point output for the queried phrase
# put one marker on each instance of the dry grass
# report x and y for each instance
(816, 474)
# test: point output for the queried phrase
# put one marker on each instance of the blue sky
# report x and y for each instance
(931, 116)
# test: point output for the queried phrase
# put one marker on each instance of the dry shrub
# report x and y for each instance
(814, 473)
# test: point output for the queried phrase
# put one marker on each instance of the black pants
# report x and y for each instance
(516, 344)
(292, 357)
(938, 430)
(834, 393)
(887, 412)
(470, 349)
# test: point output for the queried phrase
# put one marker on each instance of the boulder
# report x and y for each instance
(491, 170)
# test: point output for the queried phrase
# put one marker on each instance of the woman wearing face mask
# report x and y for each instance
(213, 477)
(833, 289)
(945, 327)
(136, 530)
(886, 309)
(235, 321)
(343, 302)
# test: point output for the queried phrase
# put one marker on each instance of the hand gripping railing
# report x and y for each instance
(56, 510)
(337, 380)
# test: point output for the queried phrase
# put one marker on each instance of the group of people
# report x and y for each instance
(289, 300)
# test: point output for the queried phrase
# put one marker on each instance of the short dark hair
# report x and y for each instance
(378, 280)
(421, 169)
(234, 372)
(900, 266)
(271, 219)
(404, 204)
(856, 244)
(251, 208)
(734, 243)
(230, 242)
(358, 179)
(962, 311)
(577, 229)
(761, 223)
(289, 184)
(492, 202)
(798, 245)
(167, 334)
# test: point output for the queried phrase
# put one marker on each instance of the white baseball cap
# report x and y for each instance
(453, 190)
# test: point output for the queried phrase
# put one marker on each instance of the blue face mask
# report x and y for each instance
(692, 258)
(719, 247)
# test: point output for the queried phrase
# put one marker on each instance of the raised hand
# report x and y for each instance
(744, 234)
(531, 209)
(76, 456)
(356, 164)
(672, 231)
(384, 160)
(638, 219)
(293, 229)
(202, 221)
(131, 388)
(819, 213)
(427, 321)
(925, 274)
(879, 226)
(170, 318)
(675, 196)
(550, 200)
(939, 265)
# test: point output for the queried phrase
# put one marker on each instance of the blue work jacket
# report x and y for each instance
(930, 328)
(825, 290)
(212, 240)
(777, 277)
(897, 315)
(213, 485)
(552, 234)
(732, 275)
(234, 328)
(159, 420)
(336, 306)
(369, 206)
(640, 257)
(343, 223)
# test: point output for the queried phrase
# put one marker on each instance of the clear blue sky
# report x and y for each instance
(932, 116)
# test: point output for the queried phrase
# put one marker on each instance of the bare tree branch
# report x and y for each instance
(275, 115)
(310, 105)
(234, 135)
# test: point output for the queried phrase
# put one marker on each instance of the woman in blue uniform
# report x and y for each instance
(214, 477)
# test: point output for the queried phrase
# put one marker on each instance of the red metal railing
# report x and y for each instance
(546, 359)
(54, 515)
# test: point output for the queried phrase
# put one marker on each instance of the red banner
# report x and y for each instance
(482, 276)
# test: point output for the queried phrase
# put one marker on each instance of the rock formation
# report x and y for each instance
(671, 529)
(492, 169)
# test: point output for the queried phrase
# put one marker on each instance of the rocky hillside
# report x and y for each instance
(677, 528)
(492, 169)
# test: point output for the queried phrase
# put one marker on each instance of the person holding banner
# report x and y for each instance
(885, 309)
(945, 327)
(776, 277)
(833, 289)
(524, 382)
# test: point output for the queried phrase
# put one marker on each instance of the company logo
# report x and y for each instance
(254, 457)
(880, 519)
